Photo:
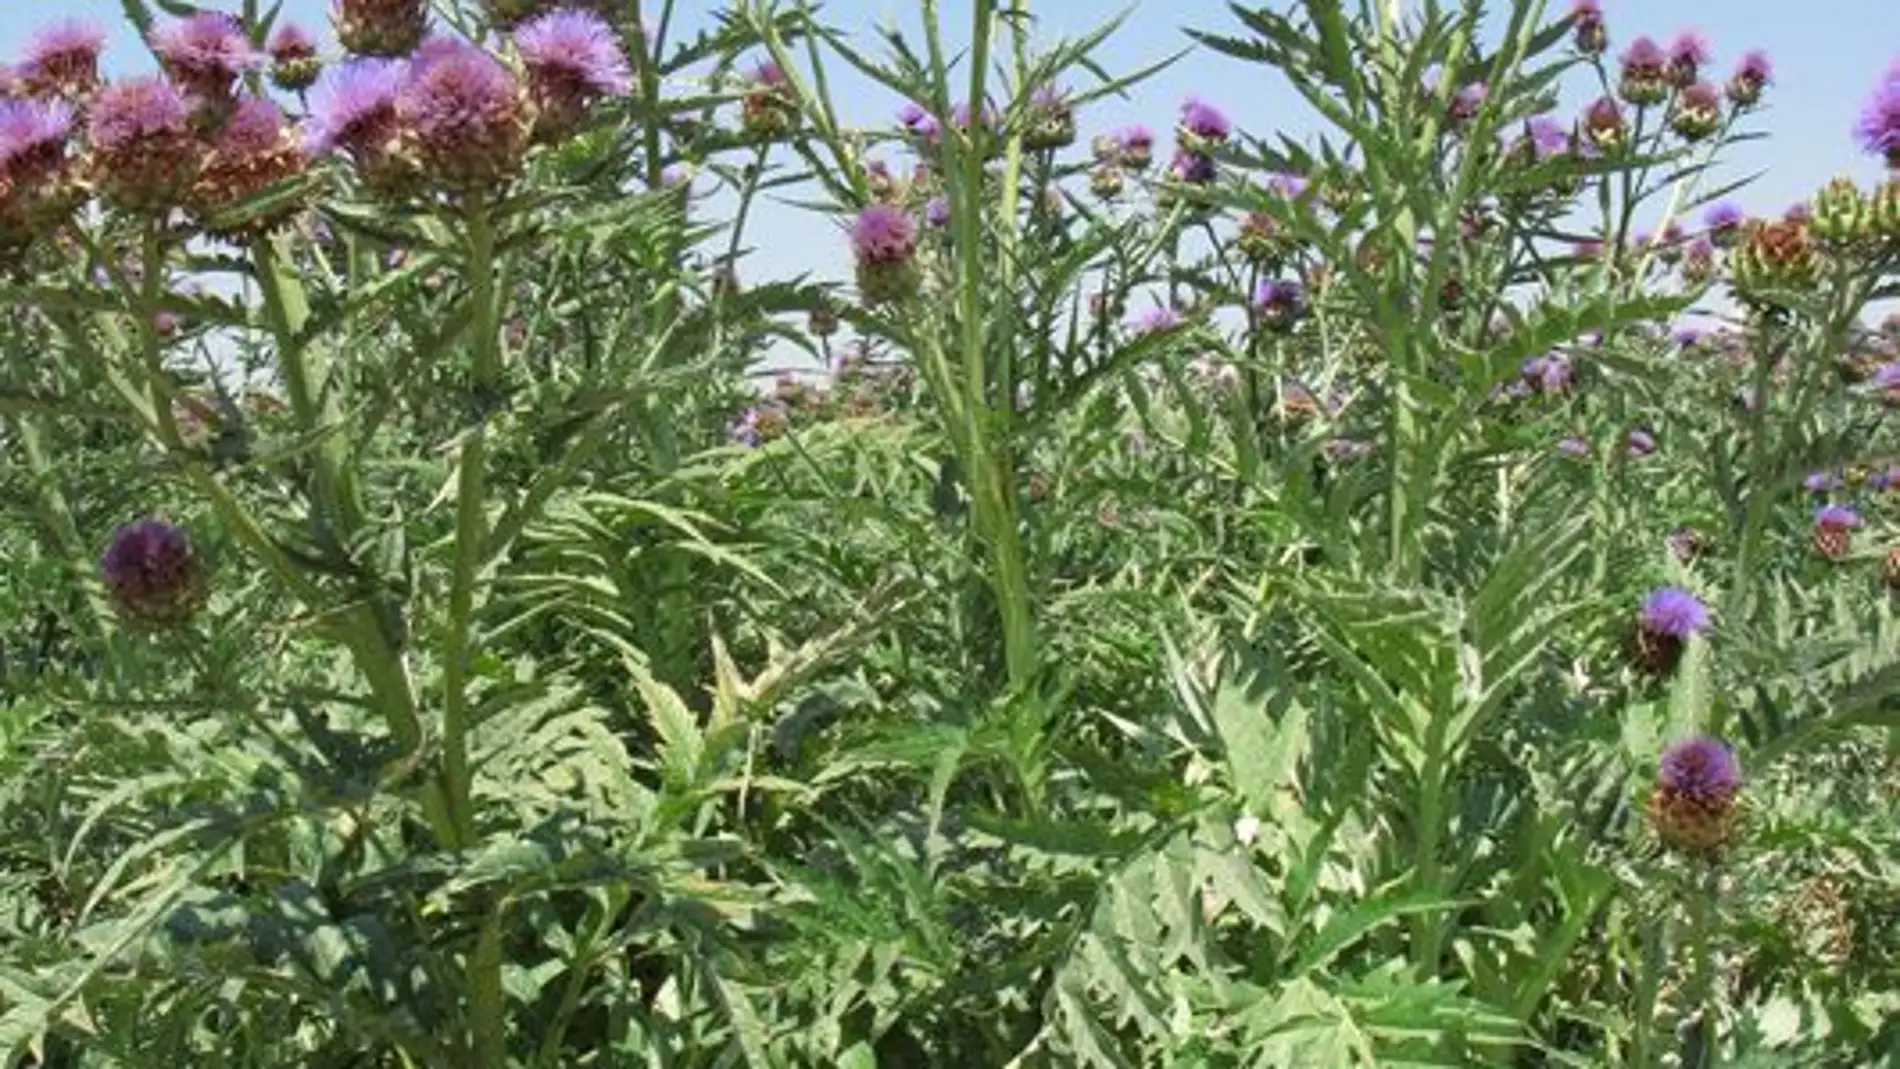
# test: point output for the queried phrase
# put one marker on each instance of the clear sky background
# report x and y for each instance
(1827, 55)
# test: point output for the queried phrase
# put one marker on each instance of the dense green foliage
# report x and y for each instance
(1259, 683)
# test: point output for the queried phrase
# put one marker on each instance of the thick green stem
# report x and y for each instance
(471, 521)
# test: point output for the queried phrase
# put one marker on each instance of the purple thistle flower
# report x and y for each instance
(1878, 127)
(1693, 805)
(1202, 122)
(1155, 320)
(1645, 74)
(1886, 376)
(353, 107)
(33, 136)
(1279, 303)
(1687, 337)
(573, 58)
(293, 56)
(1603, 124)
(205, 53)
(1573, 447)
(920, 123)
(143, 143)
(62, 59)
(883, 233)
(1547, 136)
(1688, 54)
(1468, 101)
(1836, 518)
(463, 109)
(153, 574)
(1820, 482)
(1723, 220)
(1136, 144)
(937, 213)
(1753, 73)
(1286, 184)
(1640, 443)
(1673, 612)
(1192, 168)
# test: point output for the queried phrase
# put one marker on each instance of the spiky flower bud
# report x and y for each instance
(1693, 804)
(1051, 121)
(381, 27)
(1752, 75)
(770, 109)
(1263, 242)
(1698, 112)
(1688, 54)
(253, 152)
(1774, 255)
(145, 153)
(1669, 617)
(1833, 531)
(465, 115)
(1202, 128)
(573, 58)
(294, 65)
(1644, 78)
(507, 13)
(1107, 181)
(1278, 305)
(1603, 124)
(1883, 215)
(1137, 145)
(1588, 31)
(1841, 214)
(61, 61)
(884, 244)
(155, 577)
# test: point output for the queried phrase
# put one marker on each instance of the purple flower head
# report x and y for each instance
(1286, 184)
(291, 41)
(293, 56)
(256, 126)
(1586, 13)
(1799, 212)
(1700, 767)
(1644, 57)
(574, 47)
(153, 574)
(1550, 373)
(1279, 302)
(1688, 53)
(882, 234)
(920, 123)
(137, 109)
(1878, 127)
(1469, 100)
(1688, 337)
(205, 53)
(1836, 518)
(1603, 123)
(1641, 443)
(1192, 168)
(1674, 612)
(1820, 482)
(1135, 139)
(353, 106)
(463, 109)
(1723, 217)
(1693, 804)
(1155, 320)
(1886, 376)
(1547, 136)
(33, 137)
(1752, 74)
(62, 59)
(937, 213)
(1573, 447)
(1202, 121)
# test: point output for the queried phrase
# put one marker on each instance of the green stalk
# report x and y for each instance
(1700, 1049)
(471, 522)
(989, 468)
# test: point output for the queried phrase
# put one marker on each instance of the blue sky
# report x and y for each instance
(1827, 55)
